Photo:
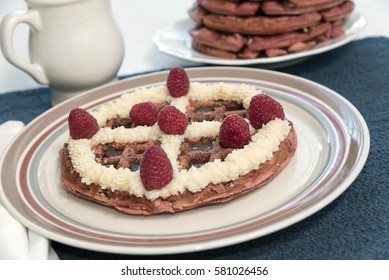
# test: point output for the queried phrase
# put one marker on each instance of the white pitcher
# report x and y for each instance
(74, 45)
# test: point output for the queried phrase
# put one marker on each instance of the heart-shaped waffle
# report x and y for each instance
(105, 168)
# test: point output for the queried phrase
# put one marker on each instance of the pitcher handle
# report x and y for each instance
(7, 28)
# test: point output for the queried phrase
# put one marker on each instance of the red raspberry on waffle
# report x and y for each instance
(82, 124)
(234, 132)
(156, 170)
(263, 109)
(145, 113)
(177, 82)
(172, 121)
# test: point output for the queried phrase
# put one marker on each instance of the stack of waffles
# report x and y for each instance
(265, 28)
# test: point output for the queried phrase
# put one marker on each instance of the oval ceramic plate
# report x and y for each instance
(175, 40)
(333, 147)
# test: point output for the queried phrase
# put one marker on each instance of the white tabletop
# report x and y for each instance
(138, 21)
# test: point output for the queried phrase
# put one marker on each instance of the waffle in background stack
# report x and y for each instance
(249, 29)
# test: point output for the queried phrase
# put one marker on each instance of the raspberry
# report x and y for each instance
(156, 171)
(234, 132)
(263, 109)
(82, 124)
(177, 82)
(172, 121)
(145, 113)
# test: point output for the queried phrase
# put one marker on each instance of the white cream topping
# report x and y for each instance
(263, 142)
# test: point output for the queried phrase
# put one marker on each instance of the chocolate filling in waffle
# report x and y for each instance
(193, 154)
